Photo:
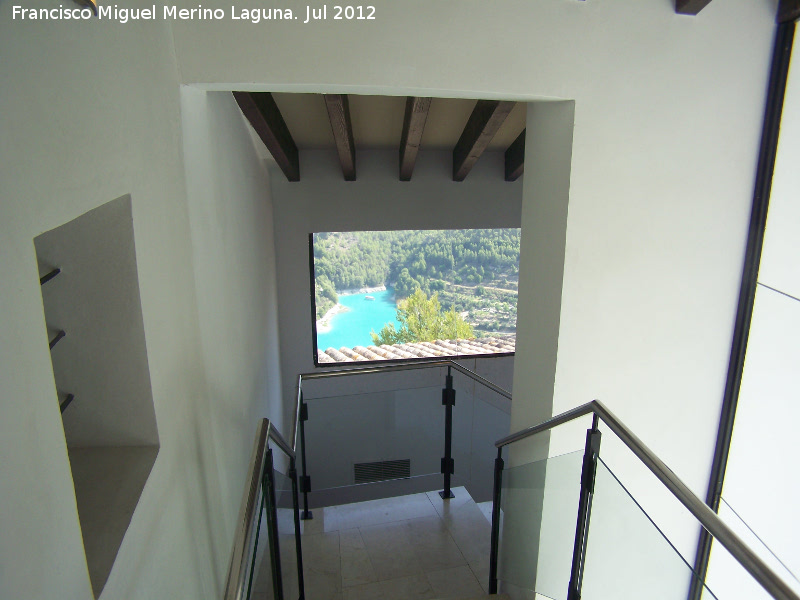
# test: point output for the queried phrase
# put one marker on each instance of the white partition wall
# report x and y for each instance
(761, 488)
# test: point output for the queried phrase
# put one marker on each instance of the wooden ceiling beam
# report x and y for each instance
(515, 158)
(483, 123)
(690, 7)
(788, 11)
(263, 114)
(342, 126)
(413, 126)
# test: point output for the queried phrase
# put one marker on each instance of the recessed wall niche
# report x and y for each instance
(93, 313)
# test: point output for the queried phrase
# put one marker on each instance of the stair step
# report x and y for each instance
(486, 509)
(377, 548)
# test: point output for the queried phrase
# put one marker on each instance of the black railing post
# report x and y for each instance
(268, 485)
(305, 480)
(297, 534)
(448, 467)
(493, 553)
(584, 510)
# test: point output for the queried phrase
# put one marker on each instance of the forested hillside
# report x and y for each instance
(474, 270)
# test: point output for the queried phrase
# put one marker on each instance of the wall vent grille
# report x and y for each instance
(383, 470)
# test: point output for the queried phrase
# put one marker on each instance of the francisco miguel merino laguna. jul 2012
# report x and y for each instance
(257, 15)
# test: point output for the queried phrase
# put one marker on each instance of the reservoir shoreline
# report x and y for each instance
(360, 318)
(324, 324)
(363, 290)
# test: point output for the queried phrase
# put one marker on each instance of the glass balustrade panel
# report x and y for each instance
(539, 512)
(728, 578)
(258, 583)
(287, 541)
(627, 555)
(374, 437)
(481, 416)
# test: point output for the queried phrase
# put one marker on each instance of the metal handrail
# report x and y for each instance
(245, 526)
(276, 437)
(421, 364)
(751, 562)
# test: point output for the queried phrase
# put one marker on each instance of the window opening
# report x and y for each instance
(414, 294)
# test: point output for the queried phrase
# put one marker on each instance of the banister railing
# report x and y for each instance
(419, 364)
(260, 494)
(260, 489)
(746, 557)
(301, 412)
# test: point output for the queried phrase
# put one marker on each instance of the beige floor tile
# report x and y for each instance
(454, 582)
(322, 566)
(470, 530)
(367, 591)
(322, 587)
(432, 544)
(442, 506)
(480, 569)
(356, 565)
(417, 547)
(322, 550)
(314, 525)
(472, 534)
(486, 509)
(291, 588)
(390, 551)
(414, 587)
(375, 512)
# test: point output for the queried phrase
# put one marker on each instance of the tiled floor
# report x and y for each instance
(411, 547)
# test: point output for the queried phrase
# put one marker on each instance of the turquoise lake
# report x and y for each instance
(351, 328)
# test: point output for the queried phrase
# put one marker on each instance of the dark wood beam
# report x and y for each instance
(515, 158)
(690, 7)
(342, 126)
(263, 114)
(413, 126)
(483, 123)
(788, 11)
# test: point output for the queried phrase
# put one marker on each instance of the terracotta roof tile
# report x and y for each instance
(437, 349)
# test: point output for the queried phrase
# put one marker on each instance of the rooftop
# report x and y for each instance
(438, 348)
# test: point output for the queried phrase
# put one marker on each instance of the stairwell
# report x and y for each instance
(413, 547)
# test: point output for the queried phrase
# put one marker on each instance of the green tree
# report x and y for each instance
(422, 320)
(405, 285)
(325, 295)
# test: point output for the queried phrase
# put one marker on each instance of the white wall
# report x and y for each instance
(548, 151)
(323, 201)
(91, 112)
(528, 512)
(230, 211)
(759, 481)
